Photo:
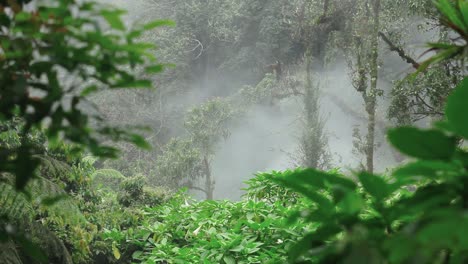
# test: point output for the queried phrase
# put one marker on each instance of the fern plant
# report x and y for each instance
(44, 199)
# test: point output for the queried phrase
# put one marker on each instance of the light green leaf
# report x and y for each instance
(229, 260)
(115, 251)
(457, 109)
(113, 18)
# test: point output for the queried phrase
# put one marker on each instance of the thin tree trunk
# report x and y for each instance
(372, 95)
(326, 6)
(209, 184)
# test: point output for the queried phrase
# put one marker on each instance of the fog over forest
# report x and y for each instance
(268, 137)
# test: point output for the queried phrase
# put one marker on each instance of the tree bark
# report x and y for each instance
(372, 93)
(209, 184)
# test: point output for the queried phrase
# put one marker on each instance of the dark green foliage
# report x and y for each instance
(41, 48)
(133, 191)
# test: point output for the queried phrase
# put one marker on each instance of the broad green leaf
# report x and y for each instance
(351, 204)
(374, 185)
(424, 168)
(229, 260)
(423, 144)
(137, 254)
(317, 238)
(425, 199)
(113, 18)
(457, 109)
(115, 251)
(158, 23)
(22, 16)
(140, 141)
(402, 248)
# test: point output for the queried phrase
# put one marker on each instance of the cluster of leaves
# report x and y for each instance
(40, 48)
(455, 17)
(183, 230)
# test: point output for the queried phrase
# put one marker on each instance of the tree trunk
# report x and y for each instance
(326, 6)
(209, 183)
(372, 94)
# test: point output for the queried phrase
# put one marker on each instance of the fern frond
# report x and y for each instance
(53, 169)
(89, 159)
(44, 190)
(13, 204)
(9, 254)
(107, 178)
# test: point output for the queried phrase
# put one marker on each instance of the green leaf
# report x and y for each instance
(464, 10)
(452, 14)
(88, 90)
(428, 169)
(22, 16)
(113, 18)
(137, 254)
(154, 69)
(49, 201)
(423, 144)
(140, 141)
(352, 203)
(457, 109)
(229, 260)
(134, 84)
(444, 54)
(158, 23)
(115, 251)
(313, 240)
(374, 185)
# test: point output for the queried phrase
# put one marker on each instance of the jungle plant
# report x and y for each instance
(66, 39)
(186, 231)
(52, 56)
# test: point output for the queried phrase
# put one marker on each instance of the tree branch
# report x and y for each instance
(197, 189)
(400, 51)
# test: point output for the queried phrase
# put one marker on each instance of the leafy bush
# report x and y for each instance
(133, 192)
(183, 230)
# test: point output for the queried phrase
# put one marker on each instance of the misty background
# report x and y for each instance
(267, 137)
